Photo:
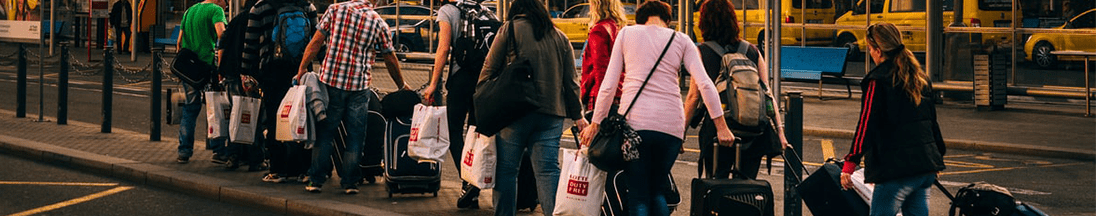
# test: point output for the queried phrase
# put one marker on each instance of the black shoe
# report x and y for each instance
(220, 159)
(232, 163)
(469, 197)
(182, 160)
(258, 167)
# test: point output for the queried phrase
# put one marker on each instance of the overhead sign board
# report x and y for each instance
(20, 31)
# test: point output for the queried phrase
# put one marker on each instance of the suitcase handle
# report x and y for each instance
(737, 144)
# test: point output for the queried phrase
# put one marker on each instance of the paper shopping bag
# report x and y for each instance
(581, 186)
(292, 119)
(429, 138)
(218, 110)
(478, 159)
(245, 119)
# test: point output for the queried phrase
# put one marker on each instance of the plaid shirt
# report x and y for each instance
(354, 31)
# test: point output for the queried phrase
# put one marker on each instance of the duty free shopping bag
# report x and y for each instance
(292, 124)
(245, 119)
(218, 110)
(581, 187)
(478, 159)
(429, 139)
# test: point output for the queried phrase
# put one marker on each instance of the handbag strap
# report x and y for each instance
(667, 47)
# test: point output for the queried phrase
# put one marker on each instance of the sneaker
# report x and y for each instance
(232, 163)
(469, 197)
(313, 187)
(182, 160)
(219, 159)
(303, 178)
(350, 190)
(272, 178)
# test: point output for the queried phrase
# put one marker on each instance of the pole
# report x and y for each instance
(53, 25)
(934, 33)
(108, 90)
(133, 31)
(21, 83)
(41, 64)
(154, 93)
(63, 86)
(775, 56)
(793, 163)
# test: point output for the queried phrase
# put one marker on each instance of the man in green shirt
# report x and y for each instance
(201, 26)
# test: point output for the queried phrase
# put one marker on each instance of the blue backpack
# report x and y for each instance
(292, 32)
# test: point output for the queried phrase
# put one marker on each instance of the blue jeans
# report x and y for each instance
(191, 108)
(910, 194)
(647, 176)
(540, 134)
(350, 108)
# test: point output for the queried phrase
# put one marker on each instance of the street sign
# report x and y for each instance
(20, 31)
(100, 9)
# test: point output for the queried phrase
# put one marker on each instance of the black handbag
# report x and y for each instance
(606, 151)
(191, 69)
(507, 94)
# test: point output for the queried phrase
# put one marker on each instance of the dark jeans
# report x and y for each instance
(286, 159)
(458, 107)
(351, 108)
(748, 164)
(122, 45)
(647, 176)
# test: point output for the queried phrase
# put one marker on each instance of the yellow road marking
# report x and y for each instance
(952, 163)
(58, 183)
(72, 201)
(828, 148)
(135, 84)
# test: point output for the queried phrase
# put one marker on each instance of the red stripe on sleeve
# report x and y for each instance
(865, 110)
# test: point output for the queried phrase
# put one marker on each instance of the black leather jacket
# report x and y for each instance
(896, 137)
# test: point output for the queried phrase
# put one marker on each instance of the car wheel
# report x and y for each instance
(849, 41)
(1041, 54)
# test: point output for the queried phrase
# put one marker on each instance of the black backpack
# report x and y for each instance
(477, 28)
(984, 199)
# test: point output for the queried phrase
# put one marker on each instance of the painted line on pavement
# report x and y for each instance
(828, 148)
(72, 201)
(58, 183)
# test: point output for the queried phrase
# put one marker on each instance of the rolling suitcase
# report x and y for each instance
(747, 197)
(402, 173)
(615, 202)
(822, 193)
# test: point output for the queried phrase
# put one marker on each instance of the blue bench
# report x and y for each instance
(62, 28)
(170, 41)
(815, 64)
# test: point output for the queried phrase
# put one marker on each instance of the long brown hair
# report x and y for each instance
(908, 73)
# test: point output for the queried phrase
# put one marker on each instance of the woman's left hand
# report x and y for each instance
(588, 134)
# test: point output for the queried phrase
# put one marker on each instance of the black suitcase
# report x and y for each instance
(615, 202)
(404, 174)
(527, 185)
(822, 193)
(746, 197)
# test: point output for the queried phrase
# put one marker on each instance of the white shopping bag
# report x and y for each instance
(581, 187)
(292, 124)
(245, 119)
(862, 188)
(478, 159)
(429, 138)
(218, 110)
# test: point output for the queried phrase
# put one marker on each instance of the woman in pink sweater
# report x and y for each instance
(657, 113)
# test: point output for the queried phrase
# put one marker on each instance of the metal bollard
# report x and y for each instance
(63, 86)
(154, 93)
(794, 132)
(21, 83)
(108, 87)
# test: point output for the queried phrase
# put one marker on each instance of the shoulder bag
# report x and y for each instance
(615, 143)
(506, 95)
(187, 66)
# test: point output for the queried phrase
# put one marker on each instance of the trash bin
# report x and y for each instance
(990, 80)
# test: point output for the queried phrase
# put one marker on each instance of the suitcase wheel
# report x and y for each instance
(435, 194)
(390, 194)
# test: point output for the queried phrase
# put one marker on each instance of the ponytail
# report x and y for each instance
(908, 74)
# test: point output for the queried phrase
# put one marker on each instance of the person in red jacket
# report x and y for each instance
(897, 133)
(606, 17)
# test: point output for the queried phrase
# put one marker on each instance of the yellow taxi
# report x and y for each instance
(1039, 46)
(575, 21)
(904, 13)
(749, 13)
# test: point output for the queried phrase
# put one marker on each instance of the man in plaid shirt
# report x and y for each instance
(352, 32)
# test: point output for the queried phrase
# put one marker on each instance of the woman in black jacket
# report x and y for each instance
(897, 132)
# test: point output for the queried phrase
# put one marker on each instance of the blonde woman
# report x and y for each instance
(606, 18)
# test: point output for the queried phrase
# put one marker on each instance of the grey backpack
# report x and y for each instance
(741, 90)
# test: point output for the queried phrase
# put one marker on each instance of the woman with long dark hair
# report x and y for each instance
(897, 133)
(538, 132)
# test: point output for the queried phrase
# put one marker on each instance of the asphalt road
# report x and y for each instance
(33, 188)
(1048, 183)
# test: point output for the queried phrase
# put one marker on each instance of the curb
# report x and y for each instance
(185, 182)
(1007, 148)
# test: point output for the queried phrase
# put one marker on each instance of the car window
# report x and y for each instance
(1084, 21)
(907, 6)
(579, 11)
(811, 4)
(995, 5)
(877, 7)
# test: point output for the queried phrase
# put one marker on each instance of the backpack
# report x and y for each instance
(984, 199)
(478, 28)
(292, 32)
(742, 92)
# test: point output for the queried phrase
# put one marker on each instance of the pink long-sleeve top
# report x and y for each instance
(659, 107)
